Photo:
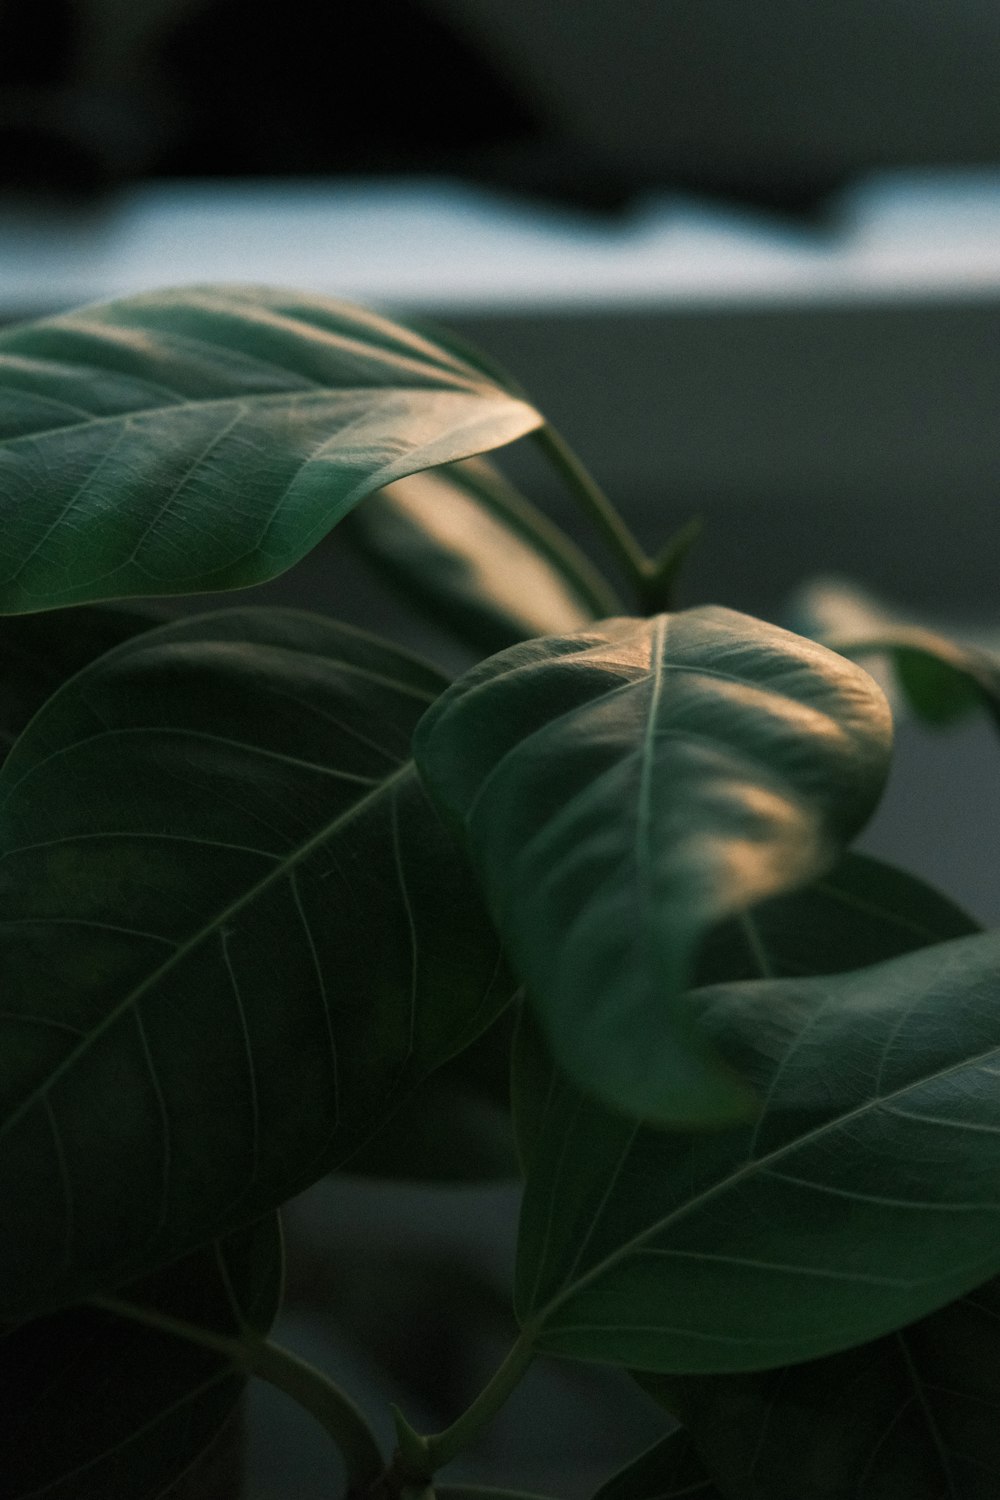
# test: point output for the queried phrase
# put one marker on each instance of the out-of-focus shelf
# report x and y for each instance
(444, 246)
(825, 395)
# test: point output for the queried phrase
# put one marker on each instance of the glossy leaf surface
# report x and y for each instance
(914, 1414)
(465, 547)
(208, 437)
(39, 652)
(863, 1197)
(97, 1406)
(622, 791)
(235, 939)
(670, 1470)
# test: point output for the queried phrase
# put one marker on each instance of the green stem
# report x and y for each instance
(332, 1407)
(441, 1448)
(596, 504)
(658, 590)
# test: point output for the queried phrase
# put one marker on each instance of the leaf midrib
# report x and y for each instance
(134, 996)
(537, 1323)
(307, 393)
(763, 773)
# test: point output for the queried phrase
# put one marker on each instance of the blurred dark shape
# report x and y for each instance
(79, 105)
(776, 102)
(590, 103)
(99, 91)
(300, 88)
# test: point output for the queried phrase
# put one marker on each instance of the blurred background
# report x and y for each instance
(745, 257)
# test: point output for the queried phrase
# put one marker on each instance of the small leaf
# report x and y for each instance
(623, 790)
(208, 437)
(914, 1414)
(862, 1198)
(97, 1406)
(235, 939)
(39, 652)
(942, 679)
(465, 547)
(670, 1470)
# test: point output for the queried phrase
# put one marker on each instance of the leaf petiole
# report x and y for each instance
(309, 1387)
(598, 507)
(658, 589)
(442, 1447)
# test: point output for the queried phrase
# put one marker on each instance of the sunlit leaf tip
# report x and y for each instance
(624, 789)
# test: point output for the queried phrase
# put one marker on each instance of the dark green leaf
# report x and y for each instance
(862, 1198)
(208, 437)
(623, 790)
(235, 939)
(39, 652)
(478, 558)
(670, 1470)
(912, 1416)
(861, 912)
(96, 1406)
(457, 1126)
(482, 1492)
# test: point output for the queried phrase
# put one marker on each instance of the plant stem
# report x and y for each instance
(314, 1391)
(657, 592)
(444, 1446)
(597, 505)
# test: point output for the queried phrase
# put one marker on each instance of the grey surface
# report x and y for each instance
(566, 1428)
(773, 92)
(854, 440)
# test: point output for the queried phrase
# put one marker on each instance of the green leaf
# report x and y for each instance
(862, 1197)
(482, 1492)
(457, 1126)
(623, 790)
(97, 1406)
(861, 912)
(39, 652)
(914, 1414)
(670, 1470)
(235, 939)
(208, 437)
(465, 547)
(942, 679)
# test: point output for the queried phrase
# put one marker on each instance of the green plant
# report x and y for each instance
(262, 875)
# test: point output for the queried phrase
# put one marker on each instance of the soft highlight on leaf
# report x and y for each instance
(861, 912)
(235, 939)
(208, 437)
(622, 791)
(472, 554)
